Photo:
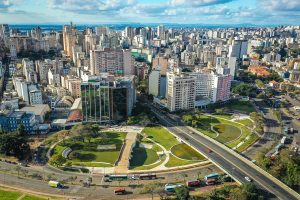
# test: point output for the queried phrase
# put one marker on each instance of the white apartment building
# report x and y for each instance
(111, 60)
(154, 82)
(180, 92)
(197, 89)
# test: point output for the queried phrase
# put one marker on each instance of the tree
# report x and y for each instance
(244, 89)
(21, 130)
(152, 188)
(57, 160)
(182, 193)
(259, 83)
(14, 144)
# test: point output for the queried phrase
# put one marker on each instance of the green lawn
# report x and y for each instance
(227, 132)
(175, 162)
(27, 197)
(92, 164)
(14, 195)
(252, 139)
(163, 158)
(186, 152)
(86, 151)
(93, 156)
(225, 116)
(246, 122)
(9, 195)
(161, 136)
(143, 156)
(205, 123)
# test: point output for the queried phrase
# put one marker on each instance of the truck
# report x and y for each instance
(55, 184)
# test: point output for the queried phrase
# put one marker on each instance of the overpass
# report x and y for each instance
(230, 161)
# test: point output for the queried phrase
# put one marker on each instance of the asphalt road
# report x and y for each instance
(237, 168)
(105, 191)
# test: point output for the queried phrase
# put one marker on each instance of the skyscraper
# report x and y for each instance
(238, 48)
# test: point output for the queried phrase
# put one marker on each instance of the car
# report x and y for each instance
(209, 150)
(120, 191)
(248, 179)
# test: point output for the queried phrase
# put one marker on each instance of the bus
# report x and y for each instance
(147, 176)
(55, 184)
(171, 187)
(214, 176)
(118, 177)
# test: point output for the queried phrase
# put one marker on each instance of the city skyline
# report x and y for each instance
(263, 12)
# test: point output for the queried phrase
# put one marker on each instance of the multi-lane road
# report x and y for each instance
(231, 163)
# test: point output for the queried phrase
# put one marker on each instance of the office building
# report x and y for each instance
(107, 98)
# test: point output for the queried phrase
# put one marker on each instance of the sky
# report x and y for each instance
(258, 12)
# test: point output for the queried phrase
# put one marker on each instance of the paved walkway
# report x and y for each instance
(123, 164)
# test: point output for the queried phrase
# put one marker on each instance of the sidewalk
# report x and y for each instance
(123, 164)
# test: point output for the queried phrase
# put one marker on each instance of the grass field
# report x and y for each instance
(144, 167)
(86, 151)
(206, 122)
(227, 132)
(175, 162)
(143, 156)
(246, 122)
(8, 194)
(161, 136)
(186, 152)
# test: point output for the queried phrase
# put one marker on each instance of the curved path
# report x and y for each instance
(162, 166)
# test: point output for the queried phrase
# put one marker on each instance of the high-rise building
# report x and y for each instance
(161, 32)
(154, 82)
(238, 49)
(161, 62)
(129, 32)
(180, 92)
(116, 61)
(106, 98)
(188, 90)
(69, 39)
(102, 30)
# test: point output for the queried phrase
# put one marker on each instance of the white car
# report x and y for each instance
(248, 179)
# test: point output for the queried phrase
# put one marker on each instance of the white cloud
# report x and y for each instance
(280, 5)
(192, 3)
(90, 6)
(4, 4)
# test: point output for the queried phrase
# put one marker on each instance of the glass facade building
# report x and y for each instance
(104, 101)
(95, 101)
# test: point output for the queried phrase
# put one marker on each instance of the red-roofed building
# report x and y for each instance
(259, 71)
(75, 116)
